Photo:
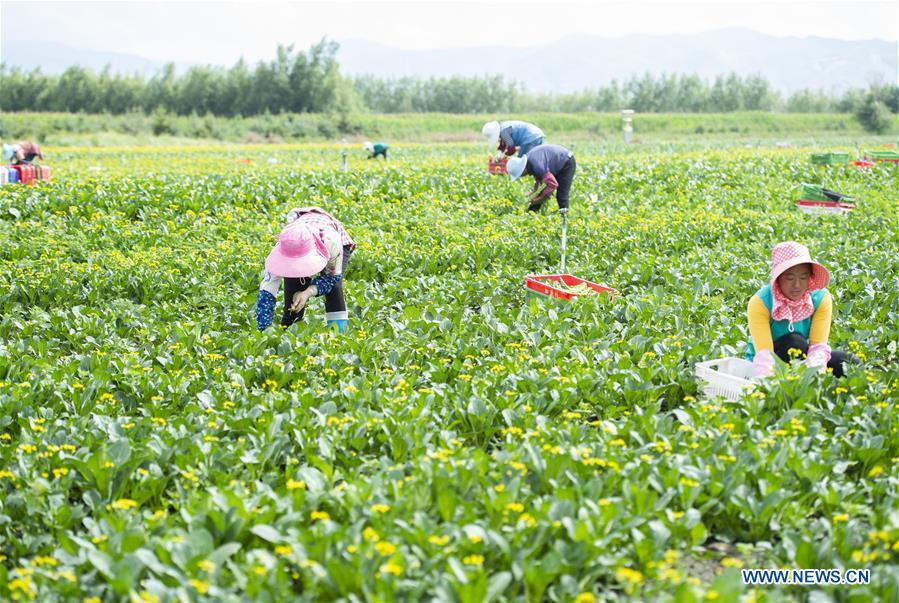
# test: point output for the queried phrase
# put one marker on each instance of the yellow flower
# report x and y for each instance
(380, 508)
(385, 548)
(875, 471)
(731, 562)
(148, 597)
(370, 534)
(670, 574)
(322, 515)
(711, 595)
(41, 561)
(296, 485)
(840, 517)
(476, 560)
(124, 504)
(439, 540)
(625, 574)
(391, 568)
(259, 570)
(200, 586)
(284, 550)
(206, 565)
(585, 598)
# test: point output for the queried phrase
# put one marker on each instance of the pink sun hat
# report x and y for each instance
(298, 253)
(790, 253)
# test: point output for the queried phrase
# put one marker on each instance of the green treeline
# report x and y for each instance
(310, 82)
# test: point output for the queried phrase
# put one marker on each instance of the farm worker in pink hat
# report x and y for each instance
(310, 257)
(22, 152)
(793, 311)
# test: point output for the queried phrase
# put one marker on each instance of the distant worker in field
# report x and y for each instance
(22, 152)
(378, 148)
(310, 257)
(553, 169)
(512, 136)
(790, 316)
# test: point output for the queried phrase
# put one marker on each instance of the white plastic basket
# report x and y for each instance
(726, 377)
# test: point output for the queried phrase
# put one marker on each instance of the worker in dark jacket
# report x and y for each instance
(553, 169)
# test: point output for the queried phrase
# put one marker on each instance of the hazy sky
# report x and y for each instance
(221, 32)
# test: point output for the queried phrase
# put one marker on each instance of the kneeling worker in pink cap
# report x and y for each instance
(793, 311)
(310, 257)
(22, 152)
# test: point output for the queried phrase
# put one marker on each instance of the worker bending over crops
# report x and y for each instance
(22, 152)
(793, 312)
(311, 257)
(378, 148)
(512, 136)
(552, 167)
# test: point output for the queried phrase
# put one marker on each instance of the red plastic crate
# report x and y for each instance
(43, 172)
(544, 285)
(824, 206)
(497, 167)
(862, 164)
(27, 173)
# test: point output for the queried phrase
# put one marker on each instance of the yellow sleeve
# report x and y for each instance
(760, 324)
(820, 329)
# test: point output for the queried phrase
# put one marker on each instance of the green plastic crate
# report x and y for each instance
(815, 192)
(830, 158)
(883, 155)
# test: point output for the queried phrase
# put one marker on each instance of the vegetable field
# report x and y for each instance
(459, 442)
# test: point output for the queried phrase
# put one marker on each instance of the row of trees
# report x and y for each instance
(645, 94)
(310, 81)
(295, 82)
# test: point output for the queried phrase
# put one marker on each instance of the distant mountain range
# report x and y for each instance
(579, 62)
(55, 58)
(573, 63)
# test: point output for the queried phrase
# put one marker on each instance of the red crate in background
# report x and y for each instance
(27, 173)
(43, 172)
(497, 167)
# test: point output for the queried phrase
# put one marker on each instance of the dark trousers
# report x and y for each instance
(335, 304)
(794, 340)
(565, 177)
